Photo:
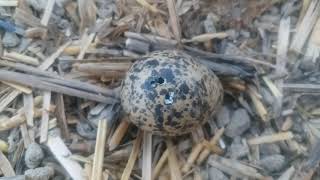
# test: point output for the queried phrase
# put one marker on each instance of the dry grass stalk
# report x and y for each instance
(27, 18)
(260, 108)
(55, 85)
(18, 119)
(19, 87)
(133, 157)
(25, 135)
(287, 124)
(36, 32)
(3, 146)
(196, 150)
(147, 156)
(157, 169)
(148, 6)
(86, 41)
(47, 12)
(151, 39)
(54, 78)
(5, 166)
(119, 133)
(174, 166)
(71, 8)
(234, 167)
(99, 150)
(206, 37)
(62, 153)
(306, 26)
(87, 168)
(45, 116)
(28, 108)
(87, 12)
(197, 175)
(51, 59)
(302, 87)
(101, 67)
(174, 19)
(213, 141)
(213, 148)
(271, 138)
(8, 3)
(313, 46)
(17, 57)
(283, 44)
(6, 99)
(304, 9)
(72, 50)
(273, 88)
(61, 116)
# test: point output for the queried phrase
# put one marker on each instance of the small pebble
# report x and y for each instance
(41, 173)
(273, 163)
(240, 122)
(269, 149)
(215, 174)
(34, 155)
(10, 40)
(223, 116)
(237, 149)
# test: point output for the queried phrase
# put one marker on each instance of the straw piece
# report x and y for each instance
(133, 157)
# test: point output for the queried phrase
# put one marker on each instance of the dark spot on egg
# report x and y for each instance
(163, 92)
(184, 88)
(152, 63)
(133, 77)
(178, 114)
(158, 115)
(167, 74)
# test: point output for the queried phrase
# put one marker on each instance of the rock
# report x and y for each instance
(267, 96)
(37, 4)
(240, 122)
(273, 163)
(269, 149)
(237, 149)
(34, 155)
(215, 174)
(41, 173)
(223, 116)
(10, 40)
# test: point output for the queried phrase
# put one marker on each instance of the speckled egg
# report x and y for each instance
(170, 93)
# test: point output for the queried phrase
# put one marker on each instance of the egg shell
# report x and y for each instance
(170, 93)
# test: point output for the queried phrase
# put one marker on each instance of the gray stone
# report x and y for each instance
(41, 173)
(240, 122)
(269, 149)
(34, 155)
(215, 174)
(237, 149)
(273, 163)
(223, 116)
(10, 40)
